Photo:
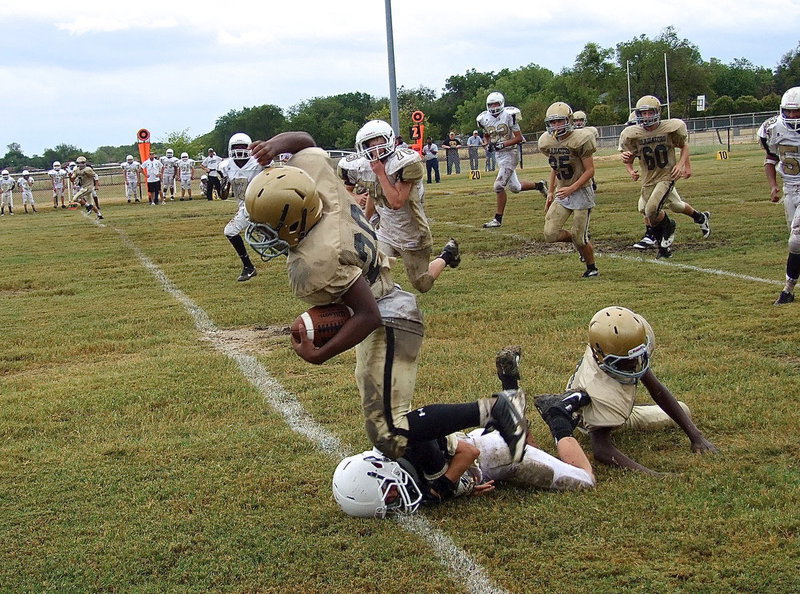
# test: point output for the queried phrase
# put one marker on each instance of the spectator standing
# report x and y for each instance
(451, 145)
(491, 157)
(473, 142)
(431, 153)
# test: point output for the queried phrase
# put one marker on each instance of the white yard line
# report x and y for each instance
(462, 568)
(663, 262)
(656, 261)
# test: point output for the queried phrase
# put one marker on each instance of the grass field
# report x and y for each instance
(136, 453)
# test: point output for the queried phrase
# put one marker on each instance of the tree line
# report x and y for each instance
(597, 83)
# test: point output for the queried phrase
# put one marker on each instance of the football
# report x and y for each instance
(321, 323)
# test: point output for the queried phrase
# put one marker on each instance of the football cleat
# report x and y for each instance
(645, 243)
(705, 226)
(664, 252)
(507, 361)
(669, 233)
(247, 274)
(542, 187)
(451, 247)
(590, 273)
(509, 421)
(784, 298)
(570, 402)
(492, 224)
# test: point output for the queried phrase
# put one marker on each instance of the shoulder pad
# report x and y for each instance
(513, 111)
(350, 162)
(401, 158)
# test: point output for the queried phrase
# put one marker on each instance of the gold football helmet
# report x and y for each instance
(621, 343)
(648, 103)
(558, 112)
(283, 206)
(579, 119)
(81, 161)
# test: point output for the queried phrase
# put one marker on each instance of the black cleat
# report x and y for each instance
(542, 187)
(705, 226)
(451, 248)
(784, 298)
(669, 233)
(509, 421)
(507, 361)
(247, 274)
(569, 402)
(664, 252)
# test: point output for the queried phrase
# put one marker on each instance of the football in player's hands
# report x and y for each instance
(320, 323)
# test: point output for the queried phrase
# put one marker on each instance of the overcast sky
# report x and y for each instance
(92, 73)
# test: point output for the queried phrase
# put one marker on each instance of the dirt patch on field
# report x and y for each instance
(541, 248)
(253, 339)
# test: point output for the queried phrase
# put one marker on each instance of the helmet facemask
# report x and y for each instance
(265, 241)
(375, 140)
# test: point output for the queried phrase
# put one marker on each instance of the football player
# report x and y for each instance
(654, 142)
(500, 125)
(57, 176)
(130, 170)
(371, 485)
(570, 155)
(7, 185)
(239, 169)
(186, 173)
(88, 181)
(152, 170)
(618, 356)
(170, 170)
(393, 179)
(25, 184)
(780, 137)
(303, 211)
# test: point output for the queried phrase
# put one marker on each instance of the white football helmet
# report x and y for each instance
(238, 146)
(370, 485)
(72, 164)
(369, 131)
(648, 103)
(25, 172)
(558, 119)
(56, 165)
(579, 119)
(184, 156)
(493, 98)
(621, 342)
(5, 173)
(631, 119)
(203, 177)
(170, 153)
(791, 100)
(129, 158)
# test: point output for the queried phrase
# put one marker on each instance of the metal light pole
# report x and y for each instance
(666, 78)
(628, 69)
(392, 80)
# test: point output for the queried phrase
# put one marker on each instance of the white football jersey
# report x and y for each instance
(185, 166)
(58, 176)
(239, 177)
(25, 183)
(785, 144)
(130, 170)
(169, 164)
(6, 185)
(502, 126)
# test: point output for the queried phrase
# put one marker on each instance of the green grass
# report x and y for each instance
(135, 456)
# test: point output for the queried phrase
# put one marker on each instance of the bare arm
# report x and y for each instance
(683, 168)
(364, 320)
(664, 398)
(588, 173)
(396, 192)
(606, 452)
(286, 142)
